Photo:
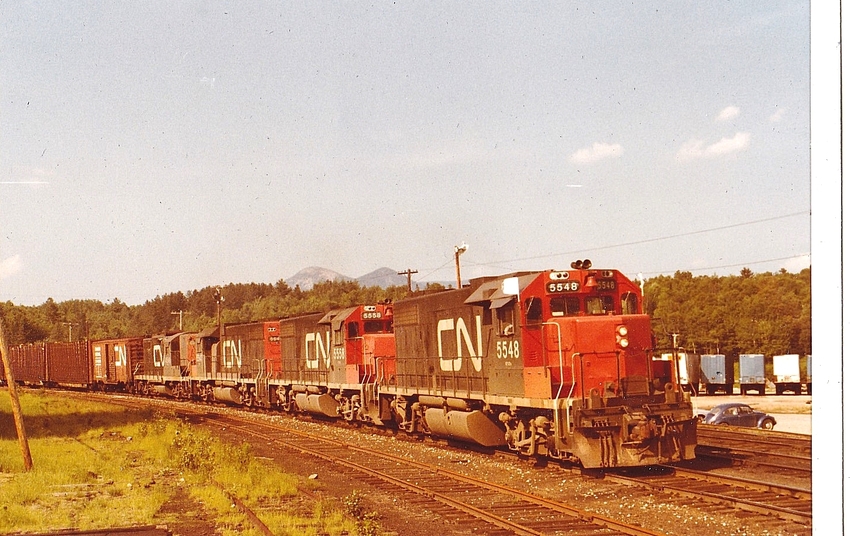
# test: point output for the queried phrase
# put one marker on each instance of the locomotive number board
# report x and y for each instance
(560, 287)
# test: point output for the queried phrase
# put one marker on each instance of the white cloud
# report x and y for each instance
(694, 149)
(596, 152)
(730, 112)
(797, 263)
(30, 175)
(777, 115)
(10, 266)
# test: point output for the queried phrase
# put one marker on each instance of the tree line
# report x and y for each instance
(767, 313)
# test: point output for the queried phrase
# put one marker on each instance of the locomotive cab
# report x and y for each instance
(362, 343)
(576, 342)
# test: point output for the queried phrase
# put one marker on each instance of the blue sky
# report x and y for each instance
(152, 147)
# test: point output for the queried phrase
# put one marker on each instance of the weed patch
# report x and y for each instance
(99, 466)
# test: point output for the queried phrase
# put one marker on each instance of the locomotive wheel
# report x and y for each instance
(347, 409)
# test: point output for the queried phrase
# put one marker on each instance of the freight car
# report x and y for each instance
(751, 372)
(52, 364)
(115, 362)
(717, 373)
(786, 374)
(809, 375)
(689, 371)
(553, 363)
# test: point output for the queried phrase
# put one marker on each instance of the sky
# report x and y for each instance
(156, 147)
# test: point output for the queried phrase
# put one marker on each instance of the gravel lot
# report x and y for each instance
(652, 509)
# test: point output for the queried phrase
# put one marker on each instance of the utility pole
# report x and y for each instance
(70, 325)
(218, 299)
(409, 272)
(179, 313)
(458, 250)
(16, 403)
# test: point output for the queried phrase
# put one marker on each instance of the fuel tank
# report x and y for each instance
(470, 426)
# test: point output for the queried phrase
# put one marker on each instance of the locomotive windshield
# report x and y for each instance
(599, 305)
(593, 305)
(376, 326)
(565, 306)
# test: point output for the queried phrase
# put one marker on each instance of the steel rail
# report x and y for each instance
(584, 516)
(680, 487)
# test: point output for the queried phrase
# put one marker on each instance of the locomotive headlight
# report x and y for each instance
(622, 336)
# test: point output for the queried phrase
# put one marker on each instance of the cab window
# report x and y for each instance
(629, 303)
(533, 310)
(373, 326)
(599, 305)
(564, 306)
(353, 330)
(505, 315)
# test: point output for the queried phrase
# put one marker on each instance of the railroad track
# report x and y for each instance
(465, 500)
(772, 450)
(472, 503)
(776, 505)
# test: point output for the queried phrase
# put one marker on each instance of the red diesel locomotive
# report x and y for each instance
(553, 363)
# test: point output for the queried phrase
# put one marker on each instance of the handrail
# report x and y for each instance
(560, 357)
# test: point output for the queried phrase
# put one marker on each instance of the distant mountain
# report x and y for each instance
(382, 277)
(308, 277)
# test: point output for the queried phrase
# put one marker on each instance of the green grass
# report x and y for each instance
(96, 466)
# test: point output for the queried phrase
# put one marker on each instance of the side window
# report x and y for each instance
(628, 302)
(533, 310)
(353, 330)
(506, 319)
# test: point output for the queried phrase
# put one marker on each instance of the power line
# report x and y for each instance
(659, 238)
(728, 265)
(496, 264)
(646, 240)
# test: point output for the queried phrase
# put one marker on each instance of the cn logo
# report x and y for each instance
(232, 353)
(120, 355)
(316, 349)
(462, 339)
(157, 355)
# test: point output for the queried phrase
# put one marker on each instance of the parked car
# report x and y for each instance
(700, 413)
(738, 414)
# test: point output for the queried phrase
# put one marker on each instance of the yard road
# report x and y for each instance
(797, 423)
(792, 413)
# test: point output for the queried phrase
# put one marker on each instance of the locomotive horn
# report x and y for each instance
(586, 264)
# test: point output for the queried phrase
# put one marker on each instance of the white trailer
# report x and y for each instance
(786, 373)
